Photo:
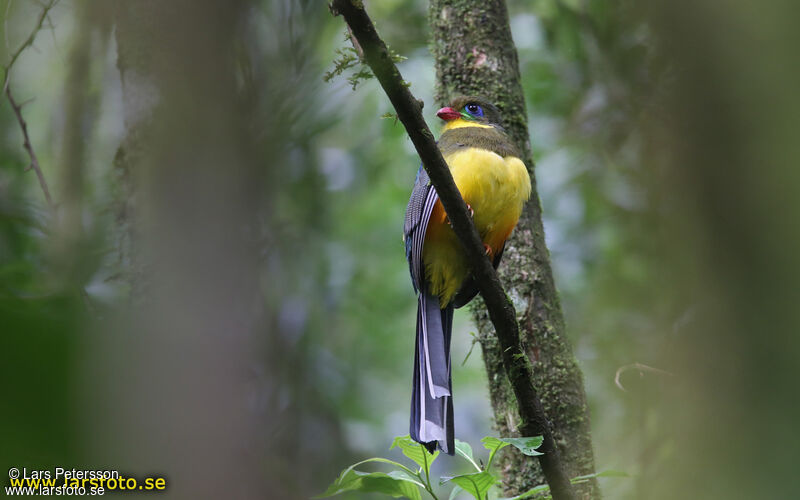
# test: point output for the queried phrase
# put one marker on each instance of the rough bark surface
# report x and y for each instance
(475, 55)
(142, 30)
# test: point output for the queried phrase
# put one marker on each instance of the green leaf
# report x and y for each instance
(405, 476)
(415, 452)
(350, 479)
(455, 491)
(526, 445)
(476, 483)
(494, 445)
(392, 484)
(465, 450)
(542, 488)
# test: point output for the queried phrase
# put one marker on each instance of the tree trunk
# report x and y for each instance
(475, 55)
(213, 182)
(140, 31)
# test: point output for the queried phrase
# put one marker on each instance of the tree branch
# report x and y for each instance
(23, 125)
(501, 311)
(18, 107)
(29, 148)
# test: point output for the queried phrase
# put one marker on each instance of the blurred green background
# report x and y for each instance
(664, 136)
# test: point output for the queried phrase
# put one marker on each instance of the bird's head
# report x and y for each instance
(471, 109)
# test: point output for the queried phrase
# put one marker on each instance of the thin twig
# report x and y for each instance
(29, 41)
(26, 102)
(641, 368)
(52, 28)
(29, 148)
(501, 310)
(34, 165)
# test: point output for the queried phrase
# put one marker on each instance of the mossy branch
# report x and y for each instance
(501, 311)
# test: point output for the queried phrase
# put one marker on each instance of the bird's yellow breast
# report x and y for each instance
(495, 188)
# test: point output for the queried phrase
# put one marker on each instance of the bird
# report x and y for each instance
(495, 184)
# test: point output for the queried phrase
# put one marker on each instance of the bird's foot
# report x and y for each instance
(488, 250)
(471, 214)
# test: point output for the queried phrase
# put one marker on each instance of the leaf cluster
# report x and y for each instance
(406, 481)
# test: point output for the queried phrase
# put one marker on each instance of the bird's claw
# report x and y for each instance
(488, 250)
(471, 214)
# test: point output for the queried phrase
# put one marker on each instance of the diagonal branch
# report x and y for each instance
(29, 148)
(18, 107)
(501, 311)
(31, 37)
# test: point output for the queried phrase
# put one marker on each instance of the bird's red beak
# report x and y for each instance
(448, 114)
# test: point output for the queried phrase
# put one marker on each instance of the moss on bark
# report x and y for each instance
(475, 55)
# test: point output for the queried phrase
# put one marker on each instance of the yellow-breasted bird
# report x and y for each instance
(494, 183)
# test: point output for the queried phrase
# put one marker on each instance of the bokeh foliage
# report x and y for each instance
(663, 138)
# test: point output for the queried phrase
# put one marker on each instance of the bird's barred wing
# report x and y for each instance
(432, 421)
(418, 213)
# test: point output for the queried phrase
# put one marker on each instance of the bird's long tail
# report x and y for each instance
(431, 400)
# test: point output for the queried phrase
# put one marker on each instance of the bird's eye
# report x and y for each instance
(474, 110)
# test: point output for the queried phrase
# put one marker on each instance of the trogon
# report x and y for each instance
(494, 183)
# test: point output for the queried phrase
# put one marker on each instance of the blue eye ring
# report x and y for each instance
(474, 109)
